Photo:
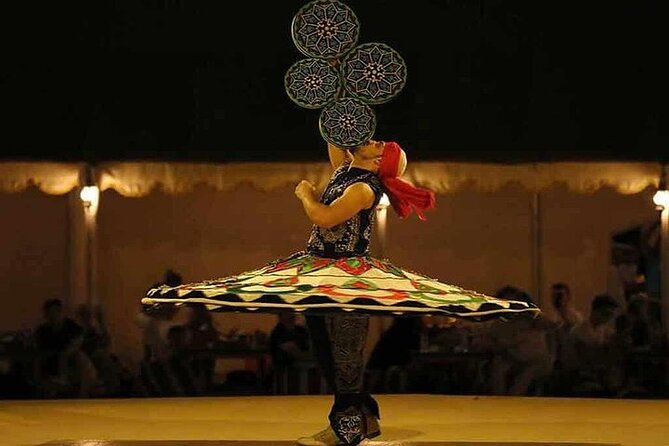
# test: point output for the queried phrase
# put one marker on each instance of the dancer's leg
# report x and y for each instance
(338, 342)
(353, 408)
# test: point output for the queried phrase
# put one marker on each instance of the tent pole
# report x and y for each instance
(664, 265)
(382, 233)
(536, 246)
(91, 264)
(90, 198)
(77, 252)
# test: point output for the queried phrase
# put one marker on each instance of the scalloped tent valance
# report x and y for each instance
(136, 179)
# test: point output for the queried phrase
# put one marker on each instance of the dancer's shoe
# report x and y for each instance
(327, 436)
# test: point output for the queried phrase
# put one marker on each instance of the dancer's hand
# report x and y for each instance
(305, 190)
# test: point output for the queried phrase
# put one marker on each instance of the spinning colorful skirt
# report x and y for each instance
(309, 283)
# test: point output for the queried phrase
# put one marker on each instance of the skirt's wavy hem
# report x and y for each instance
(307, 283)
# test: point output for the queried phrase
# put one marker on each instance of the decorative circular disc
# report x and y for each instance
(347, 122)
(325, 29)
(312, 83)
(374, 73)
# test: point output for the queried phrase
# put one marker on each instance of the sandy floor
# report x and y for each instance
(266, 420)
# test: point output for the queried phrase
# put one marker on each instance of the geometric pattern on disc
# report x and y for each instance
(325, 29)
(374, 73)
(347, 122)
(312, 83)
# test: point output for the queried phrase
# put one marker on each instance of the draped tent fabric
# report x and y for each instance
(580, 177)
(50, 178)
(137, 179)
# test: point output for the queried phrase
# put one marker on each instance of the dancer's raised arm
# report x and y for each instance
(356, 197)
(337, 155)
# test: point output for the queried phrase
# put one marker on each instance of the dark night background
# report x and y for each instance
(203, 80)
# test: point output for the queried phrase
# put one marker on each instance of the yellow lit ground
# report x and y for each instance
(278, 420)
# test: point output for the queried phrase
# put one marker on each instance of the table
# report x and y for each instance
(260, 356)
(454, 371)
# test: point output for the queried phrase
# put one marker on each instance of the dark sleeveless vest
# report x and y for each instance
(350, 238)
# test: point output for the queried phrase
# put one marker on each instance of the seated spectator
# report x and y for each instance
(179, 368)
(596, 369)
(642, 340)
(15, 366)
(61, 365)
(95, 344)
(642, 333)
(289, 341)
(392, 353)
(522, 359)
(564, 312)
(442, 334)
(155, 322)
(94, 331)
(566, 318)
(202, 336)
(292, 361)
(458, 341)
(117, 380)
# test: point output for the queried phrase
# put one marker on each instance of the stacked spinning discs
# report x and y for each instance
(339, 76)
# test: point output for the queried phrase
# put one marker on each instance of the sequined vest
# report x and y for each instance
(350, 238)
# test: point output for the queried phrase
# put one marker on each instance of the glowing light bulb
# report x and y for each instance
(661, 199)
(90, 195)
(384, 202)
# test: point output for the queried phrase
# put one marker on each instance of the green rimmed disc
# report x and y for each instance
(325, 29)
(312, 83)
(374, 73)
(347, 122)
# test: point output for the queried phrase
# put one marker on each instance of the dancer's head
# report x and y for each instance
(393, 161)
(404, 197)
(368, 155)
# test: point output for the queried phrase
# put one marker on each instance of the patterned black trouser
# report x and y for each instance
(339, 343)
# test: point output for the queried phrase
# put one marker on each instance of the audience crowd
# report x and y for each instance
(617, 349)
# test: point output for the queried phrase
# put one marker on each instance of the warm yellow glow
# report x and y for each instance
(521, 418)
(384, 202)
(661, 199)
(90, 195)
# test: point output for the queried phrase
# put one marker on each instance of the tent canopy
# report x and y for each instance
(135, 179)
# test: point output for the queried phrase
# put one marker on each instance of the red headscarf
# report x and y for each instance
(403, 195)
